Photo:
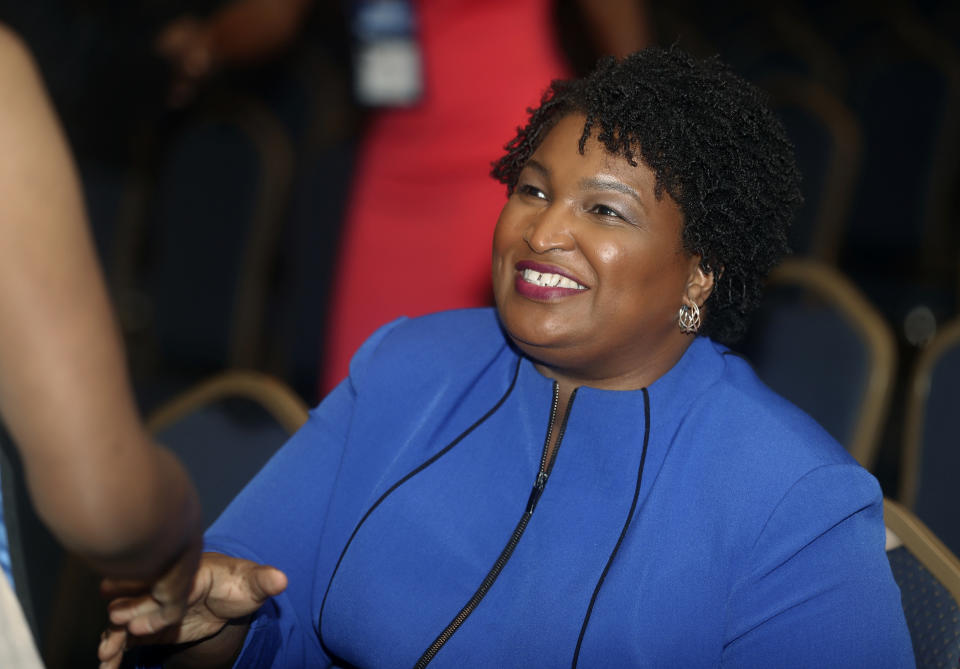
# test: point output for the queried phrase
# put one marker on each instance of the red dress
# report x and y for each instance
(422, 207)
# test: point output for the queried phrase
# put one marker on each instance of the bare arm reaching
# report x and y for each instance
(102, 486)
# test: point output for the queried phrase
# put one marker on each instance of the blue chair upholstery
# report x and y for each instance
(205, 251)
(225, 429)
(929, 579)
(819, 343)
(931, 447)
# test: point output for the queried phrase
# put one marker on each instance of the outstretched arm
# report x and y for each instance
(96, 479)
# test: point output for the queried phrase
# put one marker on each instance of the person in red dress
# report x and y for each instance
(422, 207)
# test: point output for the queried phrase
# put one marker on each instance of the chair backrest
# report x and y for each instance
(929, 578)
(207, 236)
(905, 89)
(931, 448)
(826, 135)
(225, 429)
(818, 342)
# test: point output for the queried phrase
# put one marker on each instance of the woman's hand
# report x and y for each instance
(225, 589)
(163, 601)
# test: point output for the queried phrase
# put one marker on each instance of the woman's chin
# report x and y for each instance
(532, 337)
(542, 349)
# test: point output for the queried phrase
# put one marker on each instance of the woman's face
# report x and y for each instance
(589, 269)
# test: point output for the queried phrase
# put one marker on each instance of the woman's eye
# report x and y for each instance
(606, 211)
(532, 191)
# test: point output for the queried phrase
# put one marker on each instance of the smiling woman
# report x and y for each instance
(584, 476)
(595, 220)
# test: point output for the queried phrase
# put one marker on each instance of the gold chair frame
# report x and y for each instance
(830, 285)
(843, 166)
(273, 395)
(78, 585)
(924, 545)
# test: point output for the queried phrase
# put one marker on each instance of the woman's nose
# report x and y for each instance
(550, 230)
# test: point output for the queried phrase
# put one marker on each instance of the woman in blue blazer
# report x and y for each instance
(585, 475)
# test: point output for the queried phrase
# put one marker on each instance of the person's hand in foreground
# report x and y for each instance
(225, 590)
(170, 592)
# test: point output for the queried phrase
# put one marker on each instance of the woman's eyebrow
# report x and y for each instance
(538, 167)
(609, 183)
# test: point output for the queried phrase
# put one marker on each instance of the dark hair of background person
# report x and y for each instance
(715, 147)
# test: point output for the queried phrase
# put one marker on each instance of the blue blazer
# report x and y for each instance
(700, 522)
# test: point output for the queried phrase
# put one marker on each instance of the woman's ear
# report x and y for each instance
(699, 283)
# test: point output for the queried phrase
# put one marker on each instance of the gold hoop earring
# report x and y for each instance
(688, 318)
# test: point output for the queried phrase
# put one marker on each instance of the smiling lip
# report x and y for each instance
(553, 290)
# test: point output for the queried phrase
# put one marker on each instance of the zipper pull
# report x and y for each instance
(538, 487)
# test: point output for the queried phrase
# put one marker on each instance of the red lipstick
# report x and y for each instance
(545, 283)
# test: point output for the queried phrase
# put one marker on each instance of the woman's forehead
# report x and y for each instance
(570, 137)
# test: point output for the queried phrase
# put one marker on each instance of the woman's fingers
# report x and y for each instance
(115, 640)
(144, 615)
(245, 589)
(268, 582)
(110, 651)
(123, 611)
(152, 621)
(146, 611)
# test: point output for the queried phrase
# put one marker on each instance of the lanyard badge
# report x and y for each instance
(387, 63)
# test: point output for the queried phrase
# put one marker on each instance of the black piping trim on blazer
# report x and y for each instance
(515, 537)
(396, 485)
(626, 525)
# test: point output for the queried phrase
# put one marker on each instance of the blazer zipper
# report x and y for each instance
(538, 485)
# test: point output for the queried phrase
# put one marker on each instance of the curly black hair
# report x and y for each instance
(715, 147)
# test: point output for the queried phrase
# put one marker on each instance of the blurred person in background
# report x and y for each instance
(421, 208)
(239, 33)
(446, 84)
(106, 491)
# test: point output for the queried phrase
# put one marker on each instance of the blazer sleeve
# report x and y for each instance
(278, 518)
(817, 589)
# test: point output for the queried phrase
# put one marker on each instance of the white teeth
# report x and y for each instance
(550, 280)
